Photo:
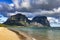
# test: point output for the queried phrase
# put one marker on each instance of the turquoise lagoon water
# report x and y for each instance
(41, 33)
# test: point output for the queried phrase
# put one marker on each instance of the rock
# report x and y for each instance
(22, 20)
(18, 19)
(40, 21)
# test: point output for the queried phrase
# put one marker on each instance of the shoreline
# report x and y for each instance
(15, 33)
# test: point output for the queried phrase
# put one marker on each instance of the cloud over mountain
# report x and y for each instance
(39, 7)
(38, 4)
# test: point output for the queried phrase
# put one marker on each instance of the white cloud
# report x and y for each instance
(2, 19)
(4, 7)
(30, 18)
(53, 12)
(0, 6)
(53, 22)
(12, 5)
(16, 3)
(10, 14)
(25, 5)
(57, 10)
(28, 3)
(38, 7)
(40, 2)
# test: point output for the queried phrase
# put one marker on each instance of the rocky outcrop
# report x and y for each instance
(18, 19)
(22, 20)
(40, 21)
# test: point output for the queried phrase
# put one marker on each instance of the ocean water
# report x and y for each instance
(42, 33)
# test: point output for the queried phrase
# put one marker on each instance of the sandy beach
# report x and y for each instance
(6, 34)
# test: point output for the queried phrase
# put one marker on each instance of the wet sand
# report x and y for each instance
(6, 34)
(28, 34)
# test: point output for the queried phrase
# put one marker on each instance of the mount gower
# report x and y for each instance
(22, 20)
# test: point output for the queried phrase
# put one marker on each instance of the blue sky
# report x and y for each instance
(49, 8)
(7, 1)
(2, 18)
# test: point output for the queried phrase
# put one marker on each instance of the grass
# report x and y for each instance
(3, 25)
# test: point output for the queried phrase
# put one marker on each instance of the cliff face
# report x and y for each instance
(18, 19)
(22, 20)
(40, 21)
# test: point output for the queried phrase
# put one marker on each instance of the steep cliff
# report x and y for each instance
(22, 20)
(18, 19)
(40, 21)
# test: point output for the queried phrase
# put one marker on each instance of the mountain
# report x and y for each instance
(22, 20)
(18, 19)
(40, 21)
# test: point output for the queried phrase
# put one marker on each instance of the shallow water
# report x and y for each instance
(41, 34)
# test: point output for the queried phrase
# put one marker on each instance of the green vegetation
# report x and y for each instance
(3, 25)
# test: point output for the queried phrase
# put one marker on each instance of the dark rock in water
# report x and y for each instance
(18, 19)
(40, 21)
